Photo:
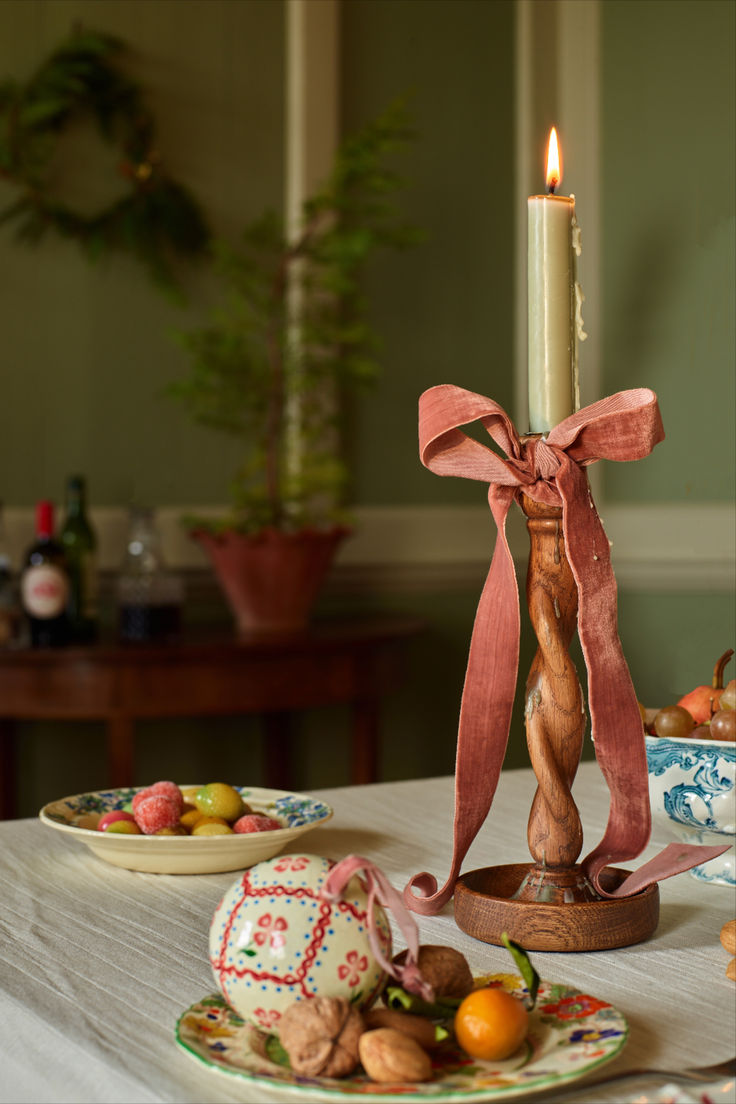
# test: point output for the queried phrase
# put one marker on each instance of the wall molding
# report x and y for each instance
(661, 547)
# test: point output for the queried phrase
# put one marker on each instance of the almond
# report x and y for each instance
(417, 1027)
(389, 1055)
(731, 970)
(728, 936)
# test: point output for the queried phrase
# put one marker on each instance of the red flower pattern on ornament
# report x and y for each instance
(352, 968)
(267, 1018)
(293, 865)
(270, 931)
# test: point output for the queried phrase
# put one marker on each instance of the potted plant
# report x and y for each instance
(272, 366)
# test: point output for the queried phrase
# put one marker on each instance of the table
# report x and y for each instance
(97, 962)
(210, 672)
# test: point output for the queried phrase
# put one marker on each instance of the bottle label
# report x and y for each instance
(44, 591)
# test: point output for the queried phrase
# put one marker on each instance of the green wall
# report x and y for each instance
(445, 311)
(669, 237)
(87, 349)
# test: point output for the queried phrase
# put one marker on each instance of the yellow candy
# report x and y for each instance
(178, 830)
(190, 818)
(219, 799)
(212, 827)
(123, 828)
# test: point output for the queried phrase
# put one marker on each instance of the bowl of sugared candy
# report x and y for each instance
(165, 828)
(691, 760)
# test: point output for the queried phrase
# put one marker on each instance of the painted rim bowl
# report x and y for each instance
(299, 813)
(691, 789)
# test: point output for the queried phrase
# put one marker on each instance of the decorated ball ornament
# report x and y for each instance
(300, 926)
(155, 218)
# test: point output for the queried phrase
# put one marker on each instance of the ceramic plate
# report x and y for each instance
(189, 854)
(570, 1034)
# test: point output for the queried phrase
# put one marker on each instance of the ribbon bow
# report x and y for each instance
(550, 470)
(380, 889)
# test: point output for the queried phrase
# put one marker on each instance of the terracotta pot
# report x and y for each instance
(271, 579)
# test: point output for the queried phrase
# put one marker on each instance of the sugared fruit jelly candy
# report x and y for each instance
(156, 812)
(274, 939)
(103, 824)
(123, 828)
(253, 822)
(212, 827)
(162, 789)
(219, 799)
(170, 790)
(189, 818)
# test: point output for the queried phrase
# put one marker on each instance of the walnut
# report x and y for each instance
(444, 968)
(390, 1055)
(418, 1027)
(320, 1035)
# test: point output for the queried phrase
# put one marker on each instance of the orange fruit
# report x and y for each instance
(491, 1024)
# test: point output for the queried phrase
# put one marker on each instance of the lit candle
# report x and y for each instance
(553, 298)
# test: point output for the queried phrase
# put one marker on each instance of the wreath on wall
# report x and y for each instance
(156, 219)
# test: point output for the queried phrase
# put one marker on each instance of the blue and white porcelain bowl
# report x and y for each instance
(691, 788)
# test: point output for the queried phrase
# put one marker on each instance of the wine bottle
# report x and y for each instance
(44, 585)
(77, 538)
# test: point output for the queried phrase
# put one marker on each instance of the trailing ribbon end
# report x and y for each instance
(674, 859)
(422, 896)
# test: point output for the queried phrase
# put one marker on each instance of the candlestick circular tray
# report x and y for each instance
(488, 902)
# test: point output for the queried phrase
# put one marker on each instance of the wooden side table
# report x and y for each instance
(209, 673)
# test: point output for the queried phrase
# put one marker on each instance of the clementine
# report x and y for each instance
(491, 1024)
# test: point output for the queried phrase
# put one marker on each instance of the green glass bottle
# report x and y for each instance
(80, 547)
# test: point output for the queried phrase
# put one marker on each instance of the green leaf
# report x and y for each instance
(524, 966)
(442, 1009)
(276, 1053)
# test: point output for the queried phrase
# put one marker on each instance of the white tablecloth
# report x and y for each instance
(97, 963)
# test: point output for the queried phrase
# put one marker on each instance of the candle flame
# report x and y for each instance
(554, 170)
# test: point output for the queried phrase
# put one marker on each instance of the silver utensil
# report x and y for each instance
(698, 1074)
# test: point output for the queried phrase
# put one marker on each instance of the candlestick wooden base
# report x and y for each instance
(487, 903)
(549, 904)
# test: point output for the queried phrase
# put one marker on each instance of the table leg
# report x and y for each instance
(277, 751)
(120, 750)
(365, 747)
(7, 769)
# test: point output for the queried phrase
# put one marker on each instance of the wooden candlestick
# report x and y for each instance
(550, 904)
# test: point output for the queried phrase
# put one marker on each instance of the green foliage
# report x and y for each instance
(291, 335)
(157, 220)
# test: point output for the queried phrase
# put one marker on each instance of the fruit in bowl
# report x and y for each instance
(702, 702)
(691, 760)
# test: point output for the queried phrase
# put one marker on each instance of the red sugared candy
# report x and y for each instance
(140, 796)
(155, 812)
(254, 822)
(109, 818)
(161, 789)
(170, 790)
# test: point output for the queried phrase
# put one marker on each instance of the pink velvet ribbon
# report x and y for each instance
(380, 889)
(550, 469)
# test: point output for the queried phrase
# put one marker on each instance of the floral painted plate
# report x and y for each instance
(188, 854)
(570, 1034)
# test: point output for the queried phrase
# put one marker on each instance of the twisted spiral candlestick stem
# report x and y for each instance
(555, 715)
